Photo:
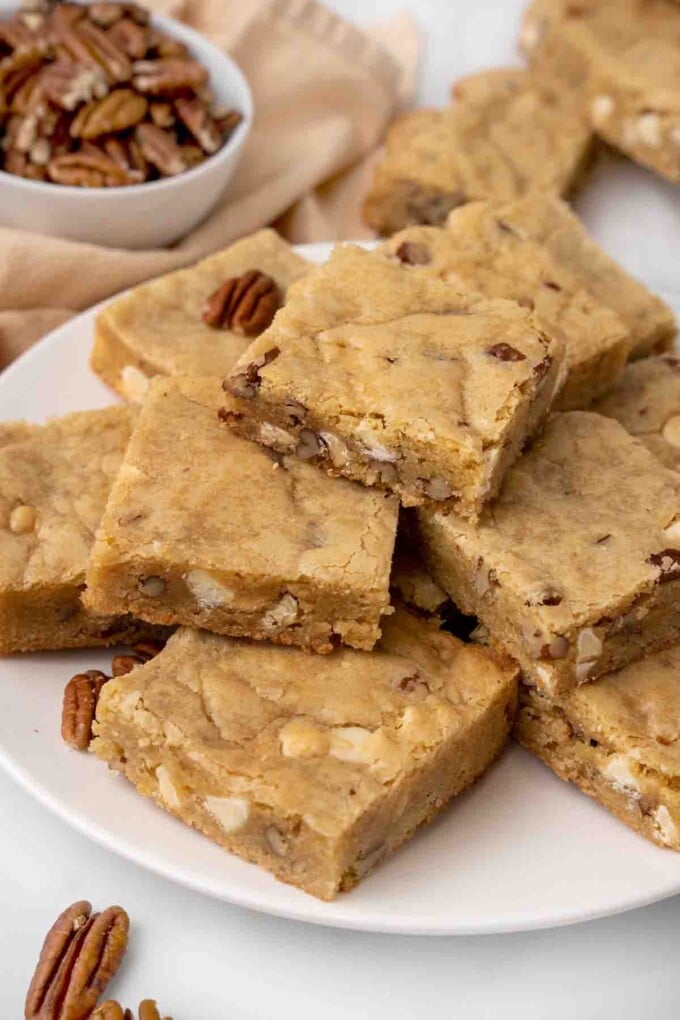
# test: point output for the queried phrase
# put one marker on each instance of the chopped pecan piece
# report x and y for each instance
(80, 955)
(160, 149)
(18, 163)
(80, 706)
(196, 117)
(504, 352)
(111, 1010)
(413, 254)
(168, 77)
(667, 562)
(244, 304)
(146, 650)
(121, 109)
(228, 122)
(247, 382)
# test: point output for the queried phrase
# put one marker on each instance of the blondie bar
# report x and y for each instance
(624, 56)
(54, 482)
(398, 380)
(312, 767)
(575, 569)
(160, 328)
(206, 529)
(507, 133)
(550, 222)
(647, 403)
(618, 740)
(479, 249)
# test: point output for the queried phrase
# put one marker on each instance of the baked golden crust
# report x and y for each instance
(313, 767)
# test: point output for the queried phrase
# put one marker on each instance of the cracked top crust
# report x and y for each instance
(160, 322)
(481, 250)
(506, 133)
(317, 737)
(647, 403)
(586, 520)
(54, 484)
(415, 359)
(635, 711)
(191, 494)
(550, 222)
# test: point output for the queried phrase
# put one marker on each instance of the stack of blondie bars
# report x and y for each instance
(376, 514)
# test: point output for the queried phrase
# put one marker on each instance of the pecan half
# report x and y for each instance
(130, 37)
(146, 650)
(122, 664)
(245, 304)
(111, 1010)
(67, 84)
(80, 706)
(80, 955)
(228, 122)
(160, 149)
(195, 116)
(92, 47)
(107, 14)
(168, 77)
(121, 109)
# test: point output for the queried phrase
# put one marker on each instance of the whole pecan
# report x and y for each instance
(195, 116)
(79, 707)
(121, 109)
(80, 955)
(244, 304)
(159, 148)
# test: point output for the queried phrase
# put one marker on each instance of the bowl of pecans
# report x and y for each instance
(117, 127)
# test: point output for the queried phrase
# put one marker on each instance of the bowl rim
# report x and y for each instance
(195, 40)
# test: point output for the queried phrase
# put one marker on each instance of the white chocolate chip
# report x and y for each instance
(272, 435)
(208, 591)
(350, 743)
(672, 532)
(338, 450)
(588, 645)
(671, 431)
(601, 108)
(133, 384)
(166, 789)
(666, 828)
(374, 448)
(231, 813)
(152, 586)
(530, 35)
(368, 861)
(282, 614)
(300, 739)
(619, 775)
(648, 130)
(22, 519)
(582, 670)
(558, 648)
(437, 489)
(276, 841)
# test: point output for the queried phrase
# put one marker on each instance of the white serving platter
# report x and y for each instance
(519, 851)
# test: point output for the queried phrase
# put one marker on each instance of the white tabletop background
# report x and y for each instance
(205, 960)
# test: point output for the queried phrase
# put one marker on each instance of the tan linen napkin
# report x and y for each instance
(323, 93)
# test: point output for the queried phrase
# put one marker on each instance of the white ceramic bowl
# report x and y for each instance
(147, 215)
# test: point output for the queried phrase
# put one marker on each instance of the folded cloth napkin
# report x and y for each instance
(323, 91)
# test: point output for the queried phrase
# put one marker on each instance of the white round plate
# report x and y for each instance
(521, 850)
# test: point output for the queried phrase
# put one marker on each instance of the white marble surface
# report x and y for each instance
(208, 961)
